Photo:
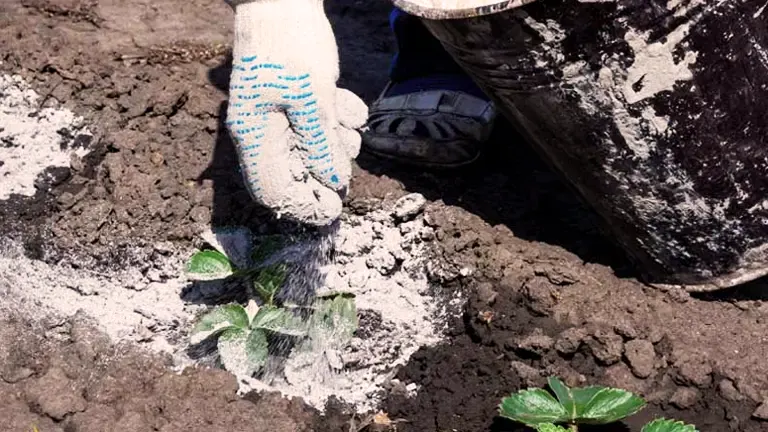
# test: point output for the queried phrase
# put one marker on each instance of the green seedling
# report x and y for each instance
(573, 406)
(214, 264)
(210, 265)
(243, 333)
(666, 425)
(336, 315)
(594, 405)
(268, 282)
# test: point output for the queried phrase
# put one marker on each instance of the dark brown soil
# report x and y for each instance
(553, 314)
(151, 79)
(66, 377)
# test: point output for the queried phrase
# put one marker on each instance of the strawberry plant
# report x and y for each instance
(666, 425)
(594, 405)
(244, 333)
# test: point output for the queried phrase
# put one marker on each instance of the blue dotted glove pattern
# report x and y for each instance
(260, 89)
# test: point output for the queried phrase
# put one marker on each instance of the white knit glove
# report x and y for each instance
(293, 128)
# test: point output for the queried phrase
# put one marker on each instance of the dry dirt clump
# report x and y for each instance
(75, 10)
(542, 311)
(150, 78)
(66, 376)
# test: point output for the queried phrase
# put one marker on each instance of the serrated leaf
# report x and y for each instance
(278, 320)
(232, 346)
(269, 281)
(549, 427)
(327, 292)
(666, 425)
(257, 349)
(344, 315)
(582, 396)
(564, 396)
(578, 401)
(609, 405)
(533, 407)
(218, 320)
(321, 317)
(234, 242)
(209, 265)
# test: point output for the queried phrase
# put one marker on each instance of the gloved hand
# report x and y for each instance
(293, 128)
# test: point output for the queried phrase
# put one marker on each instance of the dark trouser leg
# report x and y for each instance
(421, 62)
(418, 52)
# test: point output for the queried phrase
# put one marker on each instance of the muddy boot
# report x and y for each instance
(430, 113)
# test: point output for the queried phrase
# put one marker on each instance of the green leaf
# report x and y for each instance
(665, 425)
(564, 396)
(609, 405)
(574, 400)
(584, 406)
(582, 396)
(549, 427)
(269, 281)
(335, 316)
(232, 346)
(257, 349)
(344, 315)
(321, 317)
(266, 248)
(278, 320)
(234, 242)
(209, 265)
(533, 407)
(219, 319)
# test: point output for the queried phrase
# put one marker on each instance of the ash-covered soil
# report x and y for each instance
(150, 79)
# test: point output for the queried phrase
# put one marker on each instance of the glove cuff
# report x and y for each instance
(287, 29)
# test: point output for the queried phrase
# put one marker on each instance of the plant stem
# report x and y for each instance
(574, 428)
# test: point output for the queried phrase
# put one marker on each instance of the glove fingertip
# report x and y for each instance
(352, 112)
(352, 141)
(313, 204)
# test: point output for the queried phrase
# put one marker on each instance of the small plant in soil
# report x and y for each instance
(245, 333)
(594, 405)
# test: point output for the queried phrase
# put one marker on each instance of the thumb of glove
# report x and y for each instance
(352, 114)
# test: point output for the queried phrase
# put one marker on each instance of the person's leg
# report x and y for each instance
(431, 112)
(418, 53)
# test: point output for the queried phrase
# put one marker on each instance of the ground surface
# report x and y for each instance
(150, 78)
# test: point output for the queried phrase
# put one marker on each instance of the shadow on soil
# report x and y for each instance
(755, 290)
(503, 425)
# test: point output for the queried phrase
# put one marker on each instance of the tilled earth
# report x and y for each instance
(549, 294)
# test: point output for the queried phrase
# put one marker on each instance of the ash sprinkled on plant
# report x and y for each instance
(380, 259)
